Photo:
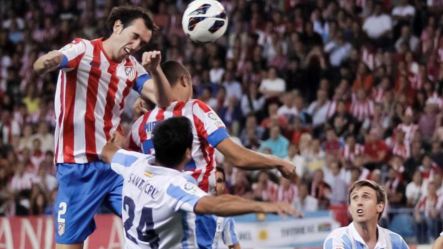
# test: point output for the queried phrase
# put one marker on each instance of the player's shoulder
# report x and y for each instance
(201, 104)
(338, 238)
(396, 239)
(338, 232)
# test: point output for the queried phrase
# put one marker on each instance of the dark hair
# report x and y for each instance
(222, 171)
(127, 14)
(379, 191)
(173, 70)
(171, 138)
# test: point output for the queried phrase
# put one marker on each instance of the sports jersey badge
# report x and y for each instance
(61, 228)
(130, 72)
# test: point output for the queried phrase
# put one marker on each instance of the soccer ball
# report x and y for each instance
(204, 20)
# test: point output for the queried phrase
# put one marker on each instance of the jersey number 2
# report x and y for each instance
(145, 229)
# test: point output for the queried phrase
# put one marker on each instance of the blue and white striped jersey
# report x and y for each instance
(348, 238)
(158, 203)
(210, 229)
(226, 231)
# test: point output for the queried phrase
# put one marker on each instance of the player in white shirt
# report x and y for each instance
(159, 201)
(211, 229)
(367, 201)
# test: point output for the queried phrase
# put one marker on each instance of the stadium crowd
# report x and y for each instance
(346, 89)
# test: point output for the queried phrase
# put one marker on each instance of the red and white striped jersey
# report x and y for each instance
(378, 94)
(409, 131)
(349, 153)
(89, 100)
(362, 110)
(207, 128)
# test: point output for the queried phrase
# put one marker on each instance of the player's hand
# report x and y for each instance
(287, 169)
(281, 208)
(53, 60)
(151, 60)
(139, 108)
(118, 140)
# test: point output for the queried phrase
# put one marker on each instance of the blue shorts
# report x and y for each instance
(83, 188)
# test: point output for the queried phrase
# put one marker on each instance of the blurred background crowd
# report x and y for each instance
(346, 89)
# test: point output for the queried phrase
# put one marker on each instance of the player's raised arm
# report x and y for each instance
(157, 89)
(250, 160)
(48, 62)
(112, 146)
(229, 205)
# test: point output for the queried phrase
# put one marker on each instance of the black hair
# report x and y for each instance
(173, 70)
(171, 138)
(126, 14)
(222, 171)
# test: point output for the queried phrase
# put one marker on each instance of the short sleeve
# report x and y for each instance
(124, 159)
(185, 194)
(208, 123)
(72, 54)
(142, 77)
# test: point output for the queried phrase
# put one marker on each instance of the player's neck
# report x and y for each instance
(368, 232)
(107, 48)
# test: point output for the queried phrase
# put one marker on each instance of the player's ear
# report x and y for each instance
(380, 207)
(183, 80)
(118, 26)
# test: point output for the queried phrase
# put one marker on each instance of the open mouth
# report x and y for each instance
(127, 50)
(359, 211)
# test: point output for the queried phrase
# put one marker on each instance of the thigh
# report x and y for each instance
(81, 192)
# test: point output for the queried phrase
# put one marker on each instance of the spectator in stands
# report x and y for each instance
(276, 142)
(335, 176)
(414, 189)
(320, 190)
(252, 101)
(319, 109)
(304, 201)
(264, 189)
(287, 191)
(428, 210)
(272, 86)
(378, 26)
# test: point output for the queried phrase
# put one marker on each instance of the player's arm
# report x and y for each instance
(438, 244)
(48, 62)
(248, 159)
(230, 205)
(111, 147)
(157, 89)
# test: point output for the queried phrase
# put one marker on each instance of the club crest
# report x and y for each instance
(130, 73)
(61, 228)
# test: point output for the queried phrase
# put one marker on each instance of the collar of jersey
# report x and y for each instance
(159, 169)
(381, 242)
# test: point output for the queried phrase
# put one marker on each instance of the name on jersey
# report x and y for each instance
(149, 127)
(143, 185)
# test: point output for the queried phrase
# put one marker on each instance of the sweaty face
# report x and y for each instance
(130, 39)
(363, 205)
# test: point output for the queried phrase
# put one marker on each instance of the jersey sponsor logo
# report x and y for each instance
(149, 127)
